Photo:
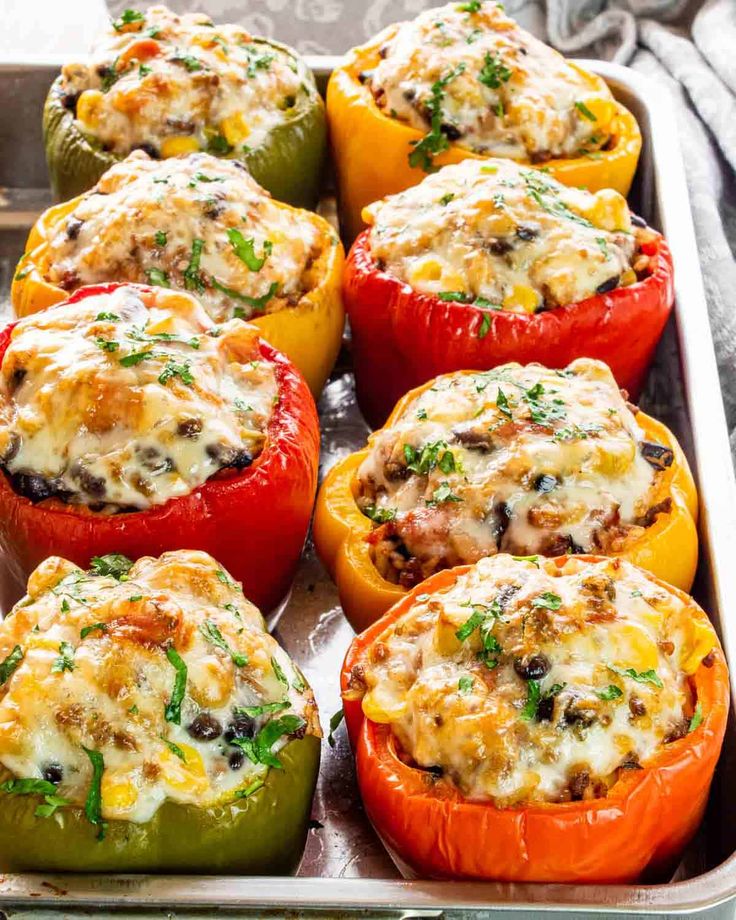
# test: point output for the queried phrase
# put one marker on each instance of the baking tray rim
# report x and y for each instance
(717, 489)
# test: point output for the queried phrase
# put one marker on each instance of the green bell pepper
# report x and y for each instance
(262, 834)
(288, 163)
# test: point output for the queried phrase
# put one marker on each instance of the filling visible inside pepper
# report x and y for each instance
(133, 684)
(170, 84)
(195, 223)
(124, 400)
(526, 682)
(467, 73)
(520, 460)
(503, 237)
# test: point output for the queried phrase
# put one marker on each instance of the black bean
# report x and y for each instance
(451, 132)
(241, 726)
(36, 488)
(659, 456)
(11, 451)
(545, 483)
(151, 459)
(474, 439)
(205, 727)
(241, 460)
(365, 76)
(92, 485)
(383, 51)
(637, 707)
(500, 247)
(229, 456)
(608, 285)
(395, 471)
(534, 668)
(73, 226)
(578, 716)
(236, 759)
(53, 773)
(150, 150)
(545, 709)
(17, 377)
(189, 428)
(678, 730)
(638, 221)
(434, 770)
(579, 782)
(526, 232)
(409, 94)
(70, 100)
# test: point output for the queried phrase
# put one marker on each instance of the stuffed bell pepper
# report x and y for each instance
(170, 84)
(149, 723)
(130, 422)
(520, 460)
(464, 81)
(200, 224)
(485, 263)
(537, 720)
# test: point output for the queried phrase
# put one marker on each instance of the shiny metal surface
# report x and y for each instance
(345, 869)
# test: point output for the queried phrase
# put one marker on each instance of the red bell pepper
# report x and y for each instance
(254, 521)
(641, 826)
(402, 338)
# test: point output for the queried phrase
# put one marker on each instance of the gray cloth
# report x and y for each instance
(689, 47)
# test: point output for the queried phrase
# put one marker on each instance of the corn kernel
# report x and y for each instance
(119, 793)
(381, 707)
(178, 145)
(521, 298)
(628, 277)
(699, 644)
(602, 108)
(234, 129)
(609, 211)
(88, 107)
(631, 647)
(188, 775)
(426, 270)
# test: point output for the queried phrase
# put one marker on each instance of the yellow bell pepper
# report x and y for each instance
(309, 334)
(370, 149)
(668, 548)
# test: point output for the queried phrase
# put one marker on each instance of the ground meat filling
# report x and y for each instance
(124, 400)
(171, 84)
(529, 682)
(504, 237)
(196, 223)
(520, 460)
(467, 73)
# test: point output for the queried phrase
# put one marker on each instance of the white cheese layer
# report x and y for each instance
(505, 238)
(171, 83)
(97, 671)
(490, 85)
(517, 459)
(526, 682)
(130, 398)
(195, 223)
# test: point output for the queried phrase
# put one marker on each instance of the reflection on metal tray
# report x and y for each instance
(345, 869)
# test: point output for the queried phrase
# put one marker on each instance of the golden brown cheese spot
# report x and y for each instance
(130, 398)
(94, 671)
(522, 460)
(512, 685)
(195, 223)
(496, 88)
(174, 84)
(506, 238)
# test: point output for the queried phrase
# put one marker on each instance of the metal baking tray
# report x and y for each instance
(345, 870)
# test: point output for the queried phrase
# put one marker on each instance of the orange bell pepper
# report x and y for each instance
(668, 547)
(642, 825)
(309, 334)
(371, 150)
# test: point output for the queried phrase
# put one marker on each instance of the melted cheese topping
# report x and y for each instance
(130, 398)
(97, 672)
(527, 682)
(490, 85)
(517, 459)
(506, 237)
(172, 84)
(197, 223)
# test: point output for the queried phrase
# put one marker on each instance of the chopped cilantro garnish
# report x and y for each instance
(191, 63)
(107, 317)
(446, 199)
(160, 237)
(465, 684)
(472, 7)
(172, 712)
(135, 358)
(611, 692)
(494, 72)
(114, 564)
(65, 661)
(258, 303)
(128, 17)
(379, 515)
(443, 493)
(245, 249)
(436, 454)
(212, 634)
(534, 697)
(502, 403)
(435, 141)
(93, 804)
(107, 344)
(696, 719)
(175, 749)
(533, 559)
(641, 677)
(174, 369)
(585, 111)
(95, 627)
(192, 278)
(250, 789)
(278, 671)
(258, 749)
(547, 601)
(263, 709)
